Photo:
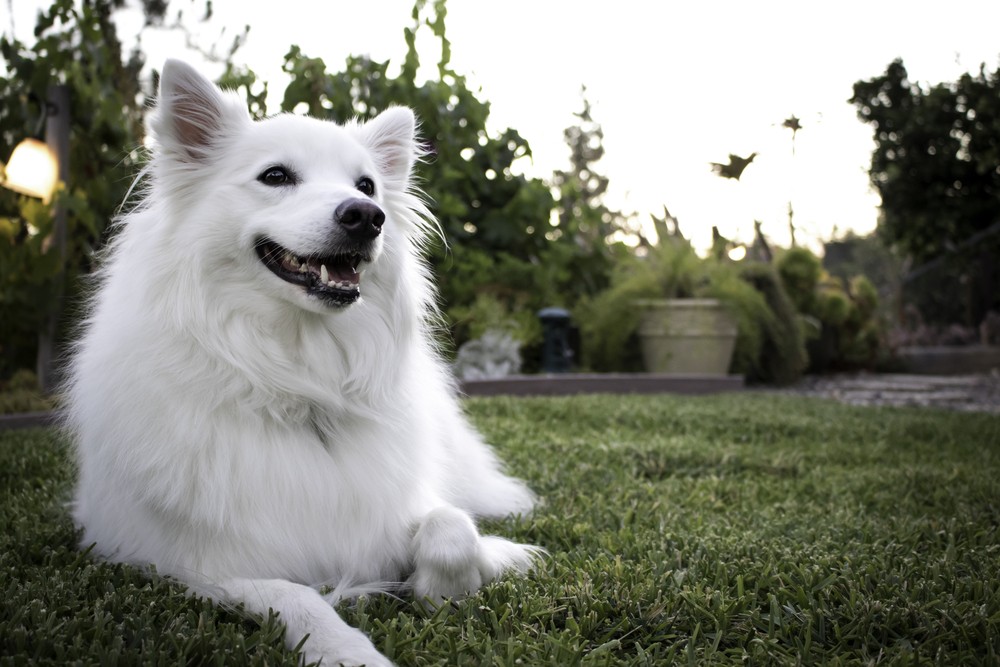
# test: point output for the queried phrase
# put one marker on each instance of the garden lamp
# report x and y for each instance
(33, 169)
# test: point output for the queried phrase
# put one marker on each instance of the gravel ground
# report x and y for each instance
(967, 393)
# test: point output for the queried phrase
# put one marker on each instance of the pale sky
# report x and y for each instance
(675, 86)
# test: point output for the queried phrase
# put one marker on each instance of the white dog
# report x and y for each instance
(257, 405)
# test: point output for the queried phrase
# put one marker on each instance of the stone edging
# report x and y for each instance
(28, 420)
(567, 384)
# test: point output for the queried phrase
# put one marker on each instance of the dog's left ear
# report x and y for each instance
(391, 137)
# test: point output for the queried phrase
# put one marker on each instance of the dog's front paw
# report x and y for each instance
(356, 651)
(498, 555)
(452, 560)
(446, 554)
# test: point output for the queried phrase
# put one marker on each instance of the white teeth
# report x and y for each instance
(302, 268)
(291, 260)
(343, 284)
(324, 275)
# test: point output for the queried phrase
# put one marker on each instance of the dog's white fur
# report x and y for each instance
(244, 436)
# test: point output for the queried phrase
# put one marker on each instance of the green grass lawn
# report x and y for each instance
(747, 528)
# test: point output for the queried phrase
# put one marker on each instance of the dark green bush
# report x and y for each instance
(800, 272)
(782, 356)
(841, 322)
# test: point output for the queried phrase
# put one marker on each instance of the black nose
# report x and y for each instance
(360, 218)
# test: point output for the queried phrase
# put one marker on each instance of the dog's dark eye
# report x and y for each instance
(366, 186)
(276, 176)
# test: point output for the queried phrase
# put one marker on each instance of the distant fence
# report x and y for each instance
(960, 286)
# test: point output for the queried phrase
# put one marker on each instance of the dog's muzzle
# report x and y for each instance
(333, 278)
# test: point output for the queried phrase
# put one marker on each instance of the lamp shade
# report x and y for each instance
(32, 170)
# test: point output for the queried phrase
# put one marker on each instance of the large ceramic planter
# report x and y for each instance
(692, 336)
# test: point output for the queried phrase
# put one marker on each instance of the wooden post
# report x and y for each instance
(57, 137)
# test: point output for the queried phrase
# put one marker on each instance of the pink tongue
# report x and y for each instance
(342, 272)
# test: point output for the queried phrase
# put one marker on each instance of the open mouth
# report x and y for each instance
(333, 278)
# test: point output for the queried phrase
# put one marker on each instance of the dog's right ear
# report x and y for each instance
(192, 114)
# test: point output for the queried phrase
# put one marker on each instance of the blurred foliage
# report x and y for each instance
(850, 255)
(936, 166)
(22, 393)
(584, 222)
(75, 45)
(487, 313)
(936, 163)
(839, 317)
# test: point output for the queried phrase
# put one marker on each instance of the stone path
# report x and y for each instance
(967, 393)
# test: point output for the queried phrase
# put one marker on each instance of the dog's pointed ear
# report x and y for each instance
(391, 137)
(192, 114)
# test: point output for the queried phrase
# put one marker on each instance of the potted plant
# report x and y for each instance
(671, 311)
(686, 335)
(683, 325)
